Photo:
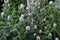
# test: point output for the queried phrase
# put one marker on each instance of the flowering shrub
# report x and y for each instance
(29, 20)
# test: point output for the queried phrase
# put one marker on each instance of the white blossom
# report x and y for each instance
(39, 3)
(21, 19)
(38, 38)
(22, 15)
(6, 1)
(51, 2)
(9, 17)
(38, 6)
(35, 26)
(2, 14)
(22, 6)
(40, 31)
(27, 27)
(56, 38)
(54, 24)
(34, 34)
(8, 4)
(27, 8)
(50, 35)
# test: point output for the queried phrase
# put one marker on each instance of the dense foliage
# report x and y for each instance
(19, 22)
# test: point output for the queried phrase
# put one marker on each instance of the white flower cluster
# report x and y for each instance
(21, 18)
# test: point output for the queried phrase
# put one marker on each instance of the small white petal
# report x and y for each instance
(27, 27)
